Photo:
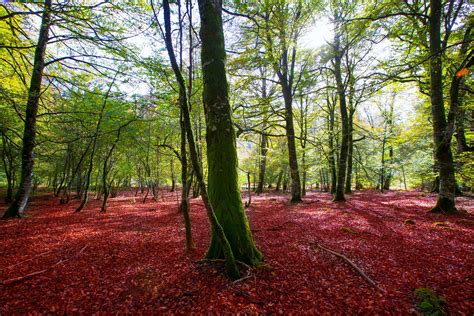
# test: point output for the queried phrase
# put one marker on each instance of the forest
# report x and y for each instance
(237, 157)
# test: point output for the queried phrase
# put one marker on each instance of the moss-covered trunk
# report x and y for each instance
(224, 193)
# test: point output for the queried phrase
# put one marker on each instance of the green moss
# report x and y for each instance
(430, 303)
(223, 187)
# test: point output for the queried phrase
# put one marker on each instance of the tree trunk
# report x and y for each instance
(303, 166)
(106, 169)
(388, 178)
(263, 141)
(7, 158)
(85, 196)
(350, 145)
(184, 205)
(331, 162)
(224, 194)
(341, 172)
(27, 156)
(263, 163)
(249, 190)
(382, 169)
(442, 152)
(278, 184)
(404, 179)
(173, 177)
(231, 237)
(290, 140)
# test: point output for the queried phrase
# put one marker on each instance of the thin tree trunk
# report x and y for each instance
(331, 162)
(303, 166)
(388, 178)
(184, 205)
(290, 140)
(173, 177)
(350, 152)
(341, 172)
(106, 170)
(7, 158)
(382, 169)
(404, 179)
(249, 190)
(263, 163)
(94, 148)
(278, 184)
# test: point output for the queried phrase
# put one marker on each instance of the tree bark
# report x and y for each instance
(8, 166)
(290, 140)
(184, 205)
(446, 197)
(278, 184)
(263, 163)
(29, 135)
(224, 194)
(263, 141)
(173, 177)
(331, 162)
(231, 237)
(341, 172)
(350, 152)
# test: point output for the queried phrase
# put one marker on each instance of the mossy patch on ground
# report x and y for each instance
(429, 303)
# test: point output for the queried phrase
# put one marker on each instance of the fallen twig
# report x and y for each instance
(29, 259)
(30, 275)
(223, 260)
(17, 264)
(352, 264)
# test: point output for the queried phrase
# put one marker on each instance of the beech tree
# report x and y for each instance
(224, 193)
(20, 201)
(434, 21)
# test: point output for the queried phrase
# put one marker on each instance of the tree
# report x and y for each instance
(224, 193)
(231, 237)
(441, 136)
(29, 135)
(424, 32)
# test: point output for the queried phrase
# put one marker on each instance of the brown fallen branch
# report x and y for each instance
(352, 264)
(30, 275)
(32, 258)
(18, 263)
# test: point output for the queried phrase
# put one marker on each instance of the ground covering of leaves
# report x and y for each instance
(132, 258)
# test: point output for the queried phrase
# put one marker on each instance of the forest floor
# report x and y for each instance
(132, 258)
